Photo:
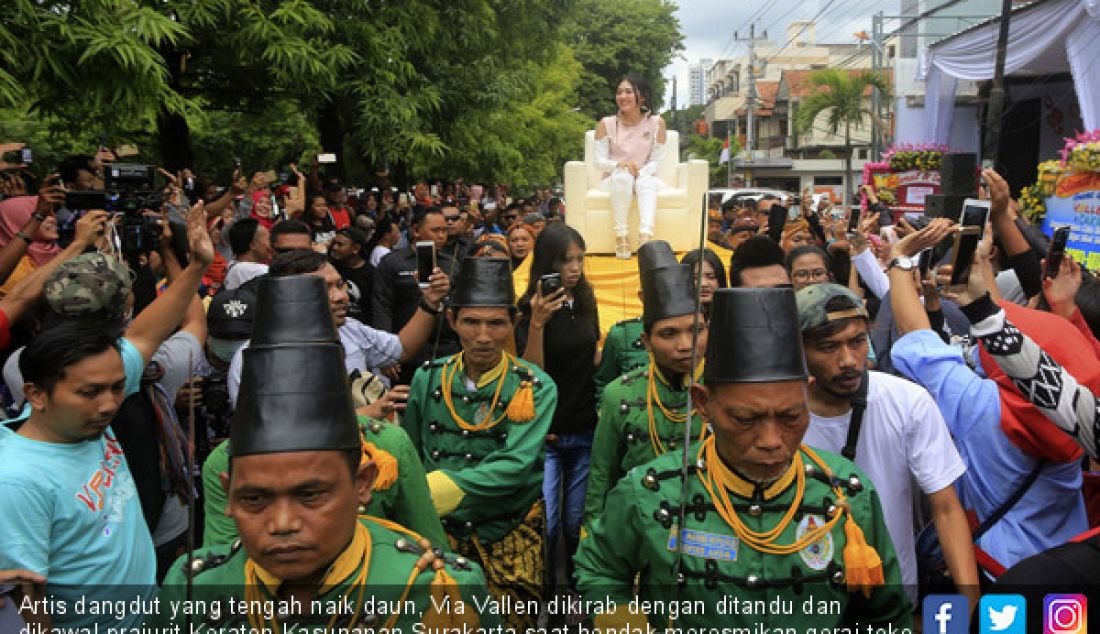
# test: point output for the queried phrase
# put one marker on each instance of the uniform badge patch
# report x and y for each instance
(482, 412)
(706, 545)
(817, 554)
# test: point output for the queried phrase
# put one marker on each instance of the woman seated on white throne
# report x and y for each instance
(629, 146)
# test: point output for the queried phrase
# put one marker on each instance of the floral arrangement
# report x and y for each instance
(1033, 197)
(1082, 152)
(924, 157)
(1080, 155)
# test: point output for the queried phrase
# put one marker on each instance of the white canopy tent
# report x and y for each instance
(1045, 38)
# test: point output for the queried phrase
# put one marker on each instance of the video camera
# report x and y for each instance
(128, 189)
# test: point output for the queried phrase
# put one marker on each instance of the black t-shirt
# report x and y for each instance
(569, 350)
(360, 285)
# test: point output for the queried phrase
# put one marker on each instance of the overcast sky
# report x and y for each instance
(708, 27)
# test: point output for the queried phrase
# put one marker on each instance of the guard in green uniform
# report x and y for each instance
(623, 347)
(642, 412)
(479, 420)
(306, 560)
(400, 493)
(775, 535)
(623, 351)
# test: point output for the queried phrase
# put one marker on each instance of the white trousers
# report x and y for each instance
(623, 188)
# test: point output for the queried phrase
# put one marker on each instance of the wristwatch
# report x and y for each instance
(902, 262)
(428, 308)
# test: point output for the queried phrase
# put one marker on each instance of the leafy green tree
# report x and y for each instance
(526, 138)
(115, 65)
(473, 88)
(845, 97)
(709, 149)
(611, 39)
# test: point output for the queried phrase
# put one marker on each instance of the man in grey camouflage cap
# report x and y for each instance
(891, 428)
(89, 284)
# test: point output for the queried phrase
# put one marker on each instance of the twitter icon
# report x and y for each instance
(1003, 614)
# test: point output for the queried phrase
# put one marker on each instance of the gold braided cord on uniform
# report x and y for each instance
(715, 478)
(361, 542)
(861, 561)
(651, 397)
(443, 587)
(451, 368)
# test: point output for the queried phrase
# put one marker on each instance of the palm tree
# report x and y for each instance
(842, 94)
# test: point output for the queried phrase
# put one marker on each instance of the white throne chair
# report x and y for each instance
(680, 204)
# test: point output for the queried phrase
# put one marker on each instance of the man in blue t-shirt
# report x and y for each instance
(69, 509)
(68, 506)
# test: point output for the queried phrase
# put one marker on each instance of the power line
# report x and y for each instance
(802, 30)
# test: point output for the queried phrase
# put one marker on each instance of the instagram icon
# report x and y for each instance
(1065, 614)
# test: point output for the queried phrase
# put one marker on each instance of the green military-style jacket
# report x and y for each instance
(623, 351)
(218, 588)
(499, 470)
(405, 501)
(622, 439)
(636, 536)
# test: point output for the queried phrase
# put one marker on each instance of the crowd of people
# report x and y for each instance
(272, 395)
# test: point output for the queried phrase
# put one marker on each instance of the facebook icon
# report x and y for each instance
(946, 614)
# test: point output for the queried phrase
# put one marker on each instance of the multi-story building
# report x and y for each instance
(770, 163)
(726, 81)
(697, 80)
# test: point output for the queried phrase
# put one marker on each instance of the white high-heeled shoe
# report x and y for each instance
(622, 247)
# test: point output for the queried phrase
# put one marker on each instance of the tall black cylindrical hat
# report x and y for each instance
(484, 282)
(294, 392)
(754, 337)
(655, 253)
(667, 291)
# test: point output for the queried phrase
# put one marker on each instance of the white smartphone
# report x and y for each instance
(972, 219)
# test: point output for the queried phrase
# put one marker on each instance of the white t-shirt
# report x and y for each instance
(903, 438)
(377, 254)
(365, 349)
(241, 272)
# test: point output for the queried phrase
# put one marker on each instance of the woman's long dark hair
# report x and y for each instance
(548, 257)
(322, 225)
(384, 226)
(715, 262)
(642, 91)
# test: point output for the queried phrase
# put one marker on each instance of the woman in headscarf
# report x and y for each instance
(521, 243)
(261, 208)
(28, 239)
(796, 233)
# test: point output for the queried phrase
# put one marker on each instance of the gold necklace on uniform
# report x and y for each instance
(653, 396)
(861, 561)
(520, 410)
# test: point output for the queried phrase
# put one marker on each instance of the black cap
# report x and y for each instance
(655, 253)
(485, 282)
(230, 315)
(667, 292)
(754, 337)
(294, 392)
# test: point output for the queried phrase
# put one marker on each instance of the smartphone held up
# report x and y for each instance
(972, 220)
(1057, 251)
(425, 262)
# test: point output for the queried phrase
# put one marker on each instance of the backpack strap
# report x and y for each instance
(1011, 501)
(859, 406)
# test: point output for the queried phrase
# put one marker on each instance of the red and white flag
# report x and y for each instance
(724, 157)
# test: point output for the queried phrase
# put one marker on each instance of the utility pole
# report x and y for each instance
(750, 99)
(997, 92)
(877, 64)
(675, 112)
